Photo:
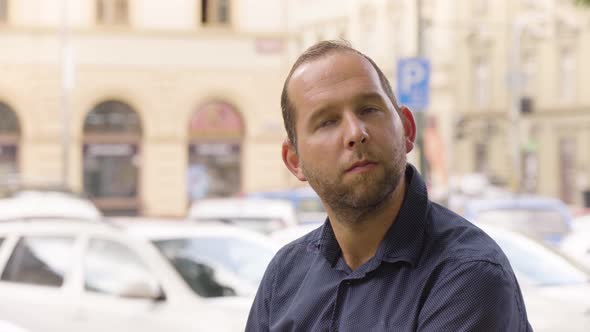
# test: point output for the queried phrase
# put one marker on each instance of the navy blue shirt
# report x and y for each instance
(433, 271)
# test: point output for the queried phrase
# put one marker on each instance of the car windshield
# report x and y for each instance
(536, 263)
(245, 259)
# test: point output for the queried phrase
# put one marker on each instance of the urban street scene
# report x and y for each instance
(294, 165)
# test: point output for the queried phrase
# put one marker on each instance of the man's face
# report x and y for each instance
(351, 145)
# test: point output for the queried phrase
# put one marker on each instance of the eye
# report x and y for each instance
(369, 110)
(326, 123)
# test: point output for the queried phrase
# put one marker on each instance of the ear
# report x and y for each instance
(291, 160)
(409, 128)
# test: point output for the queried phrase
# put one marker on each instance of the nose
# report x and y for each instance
(356, 131)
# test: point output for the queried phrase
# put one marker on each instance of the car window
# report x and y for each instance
(109, 267)
(40, 260)
(201, 278)
(246, 259)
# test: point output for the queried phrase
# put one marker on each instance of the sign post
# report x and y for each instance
(413, 85)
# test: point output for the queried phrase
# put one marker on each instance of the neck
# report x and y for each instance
(360, 237)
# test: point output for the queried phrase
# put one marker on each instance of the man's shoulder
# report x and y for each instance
(457, 239)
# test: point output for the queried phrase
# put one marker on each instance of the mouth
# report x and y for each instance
(361, 166)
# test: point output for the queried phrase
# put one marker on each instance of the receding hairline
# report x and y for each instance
(333, 52)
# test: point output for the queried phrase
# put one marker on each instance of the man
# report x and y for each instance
(386, 259)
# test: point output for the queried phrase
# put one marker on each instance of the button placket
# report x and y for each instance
(336, 311)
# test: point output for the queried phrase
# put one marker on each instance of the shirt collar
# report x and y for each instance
(403, 241)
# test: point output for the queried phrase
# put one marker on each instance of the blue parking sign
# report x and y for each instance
(413, 80)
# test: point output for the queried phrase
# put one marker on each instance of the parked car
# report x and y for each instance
(80, 276)
(307, 203)
(546, 219)
(284, 236)
(47, 204)
(556, 291)
(577, 244)
(239, 255)
(261, 215)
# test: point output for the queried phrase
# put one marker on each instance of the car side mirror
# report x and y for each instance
(142, 288)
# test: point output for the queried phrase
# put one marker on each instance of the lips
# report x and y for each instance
(360, 165)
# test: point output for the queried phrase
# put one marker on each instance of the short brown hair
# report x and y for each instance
(315, 52)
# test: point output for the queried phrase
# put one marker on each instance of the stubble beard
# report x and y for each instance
(366, 194)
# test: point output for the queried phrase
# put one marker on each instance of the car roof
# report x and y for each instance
(33, 204)
(296, 193)
(476, 206)
(57, 226)
(241, 207)
(160, 230)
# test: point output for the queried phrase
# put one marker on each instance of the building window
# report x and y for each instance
(481, 83)
(215, 12)
(9, 143)
(567, 73)
(216, 130)
(111, 157)
(3, 11)
(112, 12)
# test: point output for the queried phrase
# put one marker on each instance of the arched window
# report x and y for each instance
(215, 131)
(9, 139)
(112, 144)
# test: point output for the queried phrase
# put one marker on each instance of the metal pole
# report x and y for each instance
(419, 114)
(65, 58)
(515, 110)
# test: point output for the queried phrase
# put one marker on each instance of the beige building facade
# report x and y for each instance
(158, 95)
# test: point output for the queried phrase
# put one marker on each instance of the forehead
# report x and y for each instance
(333, 77)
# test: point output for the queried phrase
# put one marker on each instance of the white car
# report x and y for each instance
(238, 256)
(577, 244)
(47, 204)
(262, 215)
(92, 276)
(284, 236)
(555, 290)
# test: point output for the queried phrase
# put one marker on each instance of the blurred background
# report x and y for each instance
(142, 112)
(147, 105)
